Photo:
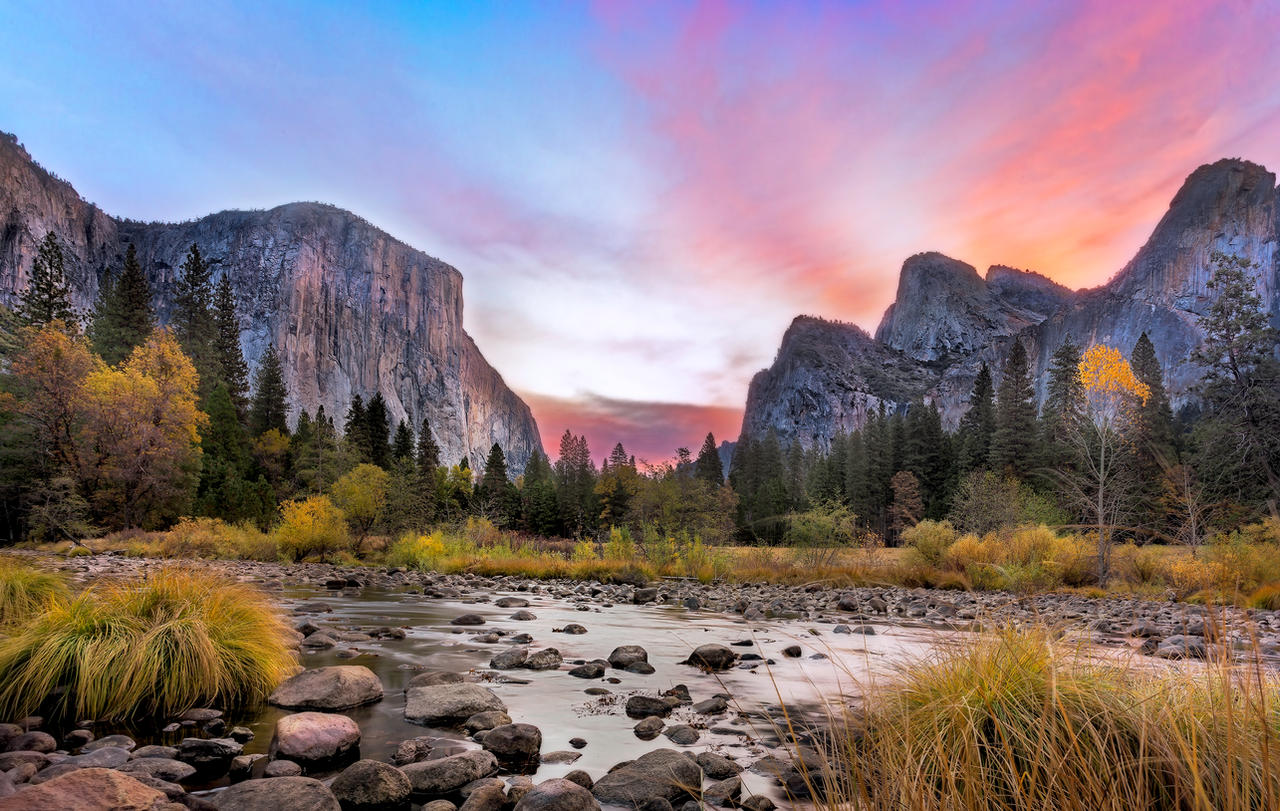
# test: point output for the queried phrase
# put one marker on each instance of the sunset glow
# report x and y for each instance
(642, 196)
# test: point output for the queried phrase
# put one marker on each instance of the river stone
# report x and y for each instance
(573, 629)
(33, 742)
(370, 784)
(712, 706)
(315, 736)
(723, 793)
(55, 771)
(484, 721)
(448, 774)
(277, 794)
(161, 768)
(509, 659)
(589, 670)
(11, 760)
(514, 743)
(242, 766)
(649, 728)
(109, 757)
(523, 616)
(625, 655)
(156, 750)
(282, 768)
(122, 741)
(792, 651)
(208, 753)
(91, 789)
(717, 767)
(490, 797)
(663, 773)
(640, 706)
(682, 734)
(439, 805)
(339, 687)
(557, 794)
(467, 619)
(545, 659)
(430, 677)
(711, 657)
(76, 738)
(511, 602)
(449, 703)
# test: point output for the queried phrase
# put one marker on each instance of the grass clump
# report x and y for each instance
(26, 591)
(1017, 721)
(146, 649)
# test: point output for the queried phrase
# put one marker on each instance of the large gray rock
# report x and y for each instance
(712, 657)
(449, 703)
(339, 687)
(663, 773)
(315, 736)
(350, 309)
(161, 768)
(625, 655)
(557, 794)
(514, 743)
(367, 785)
(448, 774)
(277, 794)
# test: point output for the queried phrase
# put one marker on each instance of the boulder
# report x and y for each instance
(282, 768)
(315, 736)
(588, 670)
(509, 659)
(514, 743)
(484, 721)
(277, 794)
(681, 734)
(122, 741)
(545, 659)
(160, 768)
(448, 774)
(108, 757)
(467, 619)
(711, 657)
(663, 773)
(208, 754)
(649, 728)
(625, 655)
(640, 706)
(717, 767)
(723, 793)
(339, 687)
(92, 789)
(449, 703)
(557, 794)
(367, 785)
(32, 742)
(490, 797)
(431, 677)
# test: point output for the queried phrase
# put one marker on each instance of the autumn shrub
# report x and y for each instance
(416, 551)
(1020, 721)
(1137, 565)
(361, 495)
(1023, 559)
(620, 546)
(26, 591)
(930, 540)
(148, 648)
(1244, 559)
(311, 527)
(1266, 598)
(214, 538)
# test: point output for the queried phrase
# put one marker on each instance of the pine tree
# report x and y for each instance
(122, 316)
(378, 420)
(538, 496)
(496, 494)
(270, 396)
(355, 431)
(48, 295)
(708, 467)
(1155, 418)
(1013, 443)
(232, 369)
(979, 423)
(495, 480)
(428, 453)
(1238, 439)
(1062, 407)
(193, 318)
(402, 445)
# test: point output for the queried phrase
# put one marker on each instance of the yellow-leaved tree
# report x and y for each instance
(140, 440)
(1102, 480)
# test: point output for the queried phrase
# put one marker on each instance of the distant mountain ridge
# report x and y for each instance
(947, 320)
(351, 309)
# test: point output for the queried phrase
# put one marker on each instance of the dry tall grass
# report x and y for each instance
(26, 591)
(1019, 721)
(149, 648)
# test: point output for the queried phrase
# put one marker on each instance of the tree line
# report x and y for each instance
(123, 424)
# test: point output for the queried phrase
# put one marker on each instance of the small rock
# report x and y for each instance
(282, 768)
(367, 785)
(649, 728)
(467, 619)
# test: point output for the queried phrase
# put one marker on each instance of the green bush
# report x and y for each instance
(931, 540)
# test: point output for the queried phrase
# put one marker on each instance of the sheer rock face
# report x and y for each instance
(948, 320)
(350, 309)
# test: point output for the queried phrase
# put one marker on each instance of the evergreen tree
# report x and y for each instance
(1238, 440)
(378, 420)
(402, 445)
(538, 497)
(1013, 443)
(708, 467)
(1062, 407)
(270, 407)
(925, 456)
(355, 431)
(496, 493)
(232, 369)
(1155, 418)
(193, 319)
(122, 316)
(575, 484)
(428, 453)
(48, 295)
(226, 490)
(979, 423)
(495, 480)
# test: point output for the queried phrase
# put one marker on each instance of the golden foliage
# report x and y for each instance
(311, 527)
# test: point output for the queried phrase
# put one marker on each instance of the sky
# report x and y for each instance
(641, 196)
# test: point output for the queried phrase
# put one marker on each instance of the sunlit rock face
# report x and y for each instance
(948, 320)
(350, 309)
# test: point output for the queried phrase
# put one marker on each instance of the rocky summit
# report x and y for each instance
(947, 319)
(351, 309)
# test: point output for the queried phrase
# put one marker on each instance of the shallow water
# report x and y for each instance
(556, 702)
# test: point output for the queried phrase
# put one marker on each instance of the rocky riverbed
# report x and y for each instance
(485, 693)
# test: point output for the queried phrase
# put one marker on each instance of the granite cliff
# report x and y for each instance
(947, 320)
(351, 309)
